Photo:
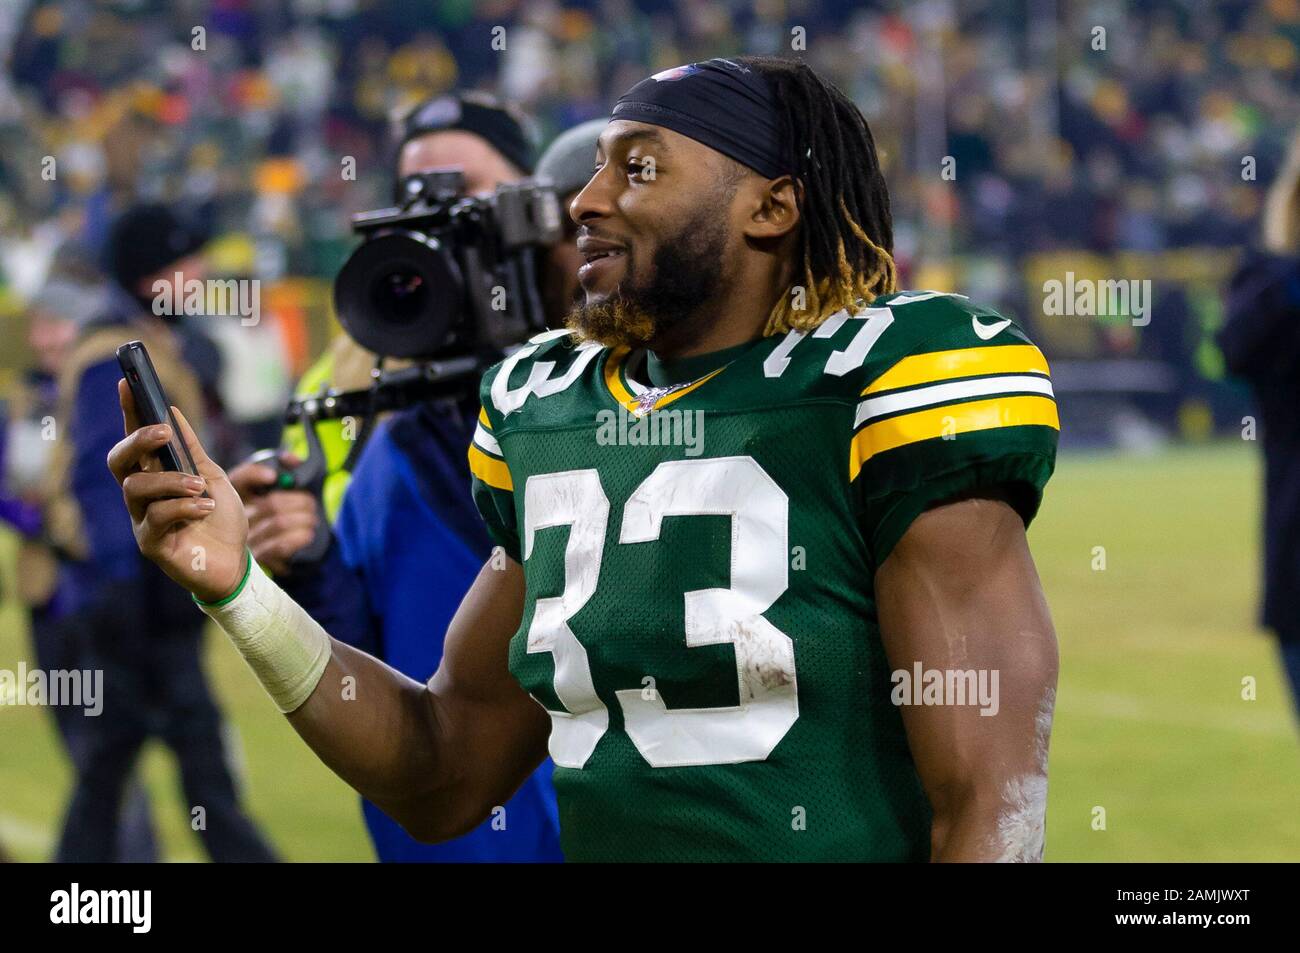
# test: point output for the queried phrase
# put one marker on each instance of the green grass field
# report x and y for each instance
(1151, 725)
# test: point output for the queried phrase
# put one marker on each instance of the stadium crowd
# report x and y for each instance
(1139, 146)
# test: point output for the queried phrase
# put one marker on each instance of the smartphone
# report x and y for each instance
(152, 406)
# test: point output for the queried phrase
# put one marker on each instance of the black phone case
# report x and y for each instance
(152, 406)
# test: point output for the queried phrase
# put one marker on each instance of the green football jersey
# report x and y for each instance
(700, 619)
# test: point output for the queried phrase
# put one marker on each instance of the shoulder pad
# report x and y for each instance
(847, 353)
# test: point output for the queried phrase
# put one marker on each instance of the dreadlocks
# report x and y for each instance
(847, 233)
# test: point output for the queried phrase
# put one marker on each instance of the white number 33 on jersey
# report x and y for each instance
(759, 509)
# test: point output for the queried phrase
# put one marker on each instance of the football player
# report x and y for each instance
(749, 496)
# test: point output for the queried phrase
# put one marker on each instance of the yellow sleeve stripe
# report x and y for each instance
(963, 362)
(493, 472)
(952, 419)
(483, 417)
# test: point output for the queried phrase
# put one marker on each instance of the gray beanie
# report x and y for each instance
(66, 298)
(568, 161)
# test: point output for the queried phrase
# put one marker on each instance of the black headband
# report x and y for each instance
(720, 103)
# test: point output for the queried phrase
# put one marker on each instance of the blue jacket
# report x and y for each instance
(408, 545)
(115, 584)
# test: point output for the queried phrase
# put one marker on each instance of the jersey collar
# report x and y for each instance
(638, 399)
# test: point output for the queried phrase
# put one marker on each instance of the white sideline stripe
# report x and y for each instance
(948, 392)
(486, 440)
(1114, 706)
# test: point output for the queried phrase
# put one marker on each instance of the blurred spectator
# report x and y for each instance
(144, 635)
(46, 580)
(1261, 342)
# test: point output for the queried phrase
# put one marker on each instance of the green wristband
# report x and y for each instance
(248, 568)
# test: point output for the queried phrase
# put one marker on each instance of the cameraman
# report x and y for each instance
(486, 140)
(408, 541)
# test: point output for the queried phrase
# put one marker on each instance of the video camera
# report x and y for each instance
(446, 280)
(444, 275)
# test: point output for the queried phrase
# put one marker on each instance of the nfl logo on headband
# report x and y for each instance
(677, 72)
(443, 111)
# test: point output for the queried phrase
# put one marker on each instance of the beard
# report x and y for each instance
(683, 275)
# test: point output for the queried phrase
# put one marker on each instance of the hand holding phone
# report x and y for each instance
(152, 405)
(186, 517)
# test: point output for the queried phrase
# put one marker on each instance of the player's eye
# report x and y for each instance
(636, 169)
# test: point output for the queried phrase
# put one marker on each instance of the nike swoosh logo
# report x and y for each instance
(986, 331)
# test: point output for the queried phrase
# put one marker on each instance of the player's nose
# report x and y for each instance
(595, 200)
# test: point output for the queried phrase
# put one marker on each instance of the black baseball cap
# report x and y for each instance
(502, 126)
(147, 238)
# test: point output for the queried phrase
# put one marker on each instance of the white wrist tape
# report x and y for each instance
(284, 646)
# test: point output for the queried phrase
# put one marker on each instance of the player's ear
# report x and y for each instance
(776, 209)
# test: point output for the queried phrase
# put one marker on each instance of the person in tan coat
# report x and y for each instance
(144, 638)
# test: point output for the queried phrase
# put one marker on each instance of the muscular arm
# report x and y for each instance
(334, 594)
(435, 757)
(960, 592)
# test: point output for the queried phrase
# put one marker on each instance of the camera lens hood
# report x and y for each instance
(400, 294)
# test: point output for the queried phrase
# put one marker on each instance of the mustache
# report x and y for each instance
(587, 232)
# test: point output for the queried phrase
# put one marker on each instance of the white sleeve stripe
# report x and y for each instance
(486, 441)
(948, 392)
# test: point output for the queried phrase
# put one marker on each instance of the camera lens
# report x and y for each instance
(400, 294)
